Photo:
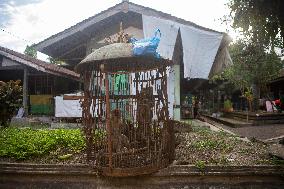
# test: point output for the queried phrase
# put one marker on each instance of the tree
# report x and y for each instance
(31, 51)
(253, 67)
(10, 100)
(262, 21)
(55, 61)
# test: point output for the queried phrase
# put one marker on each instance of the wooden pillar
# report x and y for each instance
(25, 90)
(108, 126)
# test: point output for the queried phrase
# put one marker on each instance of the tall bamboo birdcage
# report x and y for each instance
(125, 111)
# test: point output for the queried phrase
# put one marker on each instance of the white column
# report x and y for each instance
(176, 69)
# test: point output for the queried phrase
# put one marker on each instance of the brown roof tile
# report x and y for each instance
(38, 64)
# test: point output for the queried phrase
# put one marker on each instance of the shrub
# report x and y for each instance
(228, 106)
(200, 165)
(10, 100)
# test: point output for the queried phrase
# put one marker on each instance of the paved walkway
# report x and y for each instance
(261, 132)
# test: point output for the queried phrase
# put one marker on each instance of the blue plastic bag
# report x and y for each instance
(148, 46)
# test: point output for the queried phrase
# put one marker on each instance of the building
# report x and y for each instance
(277, 85)
(197, 52)
(41, 80)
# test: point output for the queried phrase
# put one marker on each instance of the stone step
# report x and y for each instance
(277, 150)
(230, 122)
(256, 118)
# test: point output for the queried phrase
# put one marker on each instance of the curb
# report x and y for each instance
(52, 169)
(21, 176)
(173, 170)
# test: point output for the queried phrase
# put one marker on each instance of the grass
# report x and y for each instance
(204, 146)
(208, 144)
(27, 143)
(210, 140)
(199, 147)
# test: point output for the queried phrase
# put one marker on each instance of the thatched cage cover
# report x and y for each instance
(119, 57)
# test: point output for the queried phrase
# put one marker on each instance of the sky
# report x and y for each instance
(24, 22)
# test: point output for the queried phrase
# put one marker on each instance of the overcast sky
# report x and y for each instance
(24, 22)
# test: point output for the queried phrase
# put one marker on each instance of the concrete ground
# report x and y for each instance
(260, 132)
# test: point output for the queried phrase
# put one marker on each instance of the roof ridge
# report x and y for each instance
(78, 24)
(45, 65)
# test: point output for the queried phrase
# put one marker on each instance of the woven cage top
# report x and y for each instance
(119, 57)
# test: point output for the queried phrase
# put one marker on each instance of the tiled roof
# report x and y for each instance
(38, 64)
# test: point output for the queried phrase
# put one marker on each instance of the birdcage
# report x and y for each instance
(125, 111)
